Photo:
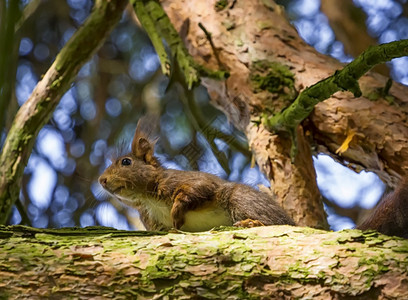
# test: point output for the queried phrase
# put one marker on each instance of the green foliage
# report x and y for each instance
(220, 5)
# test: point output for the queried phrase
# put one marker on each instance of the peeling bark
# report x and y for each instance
(381, 142)
(275, 262)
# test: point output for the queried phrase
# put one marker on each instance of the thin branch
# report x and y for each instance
(199, 126)
(209, 38)
(9, 15)
(149, 25)
(28, 11)
(205, 125)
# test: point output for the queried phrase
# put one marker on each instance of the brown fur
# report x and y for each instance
(390, 217)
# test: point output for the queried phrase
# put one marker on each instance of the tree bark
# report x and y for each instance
(276, 262)
(253, 39)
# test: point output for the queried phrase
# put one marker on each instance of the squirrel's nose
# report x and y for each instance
(103, 181)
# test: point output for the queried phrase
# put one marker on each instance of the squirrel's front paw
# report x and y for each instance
(248, 223)
(178, 223)
(177, 216)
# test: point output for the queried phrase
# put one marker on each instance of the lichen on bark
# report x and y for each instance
(274, 83)
(252, 263)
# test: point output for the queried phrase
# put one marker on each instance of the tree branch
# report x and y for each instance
(158, 26)
(148, 24)
(258, 263)
(39, 107)
(343, 80)
(9, 41)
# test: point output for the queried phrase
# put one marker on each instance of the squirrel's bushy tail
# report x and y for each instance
(390, 217)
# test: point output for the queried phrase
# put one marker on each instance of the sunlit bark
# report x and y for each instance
(273, 262)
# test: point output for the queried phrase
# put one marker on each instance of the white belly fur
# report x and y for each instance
(202, 219)
(206, 219)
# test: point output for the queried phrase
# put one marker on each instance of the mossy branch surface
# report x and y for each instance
(37, 110)
(158, 26)
(256, 263)
(342, 80)
(148, 24)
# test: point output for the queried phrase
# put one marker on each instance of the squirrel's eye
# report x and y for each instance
(126, 162)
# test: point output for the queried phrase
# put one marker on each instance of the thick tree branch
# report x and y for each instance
(343, 80)
(39, 107)
(263, 262)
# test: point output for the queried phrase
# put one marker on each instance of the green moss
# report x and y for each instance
(380, 93)
(220, 5)
(351, 236)
(225, 228)
(390, 99)
(269, 4)
(75, 232)
(373, 96)
(239, 43)
(264, 24)
(272, 77)
(401, 249)
(57, 82)
(5, 234)
(298, 270)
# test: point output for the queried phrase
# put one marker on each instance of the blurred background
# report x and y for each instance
(123, 81)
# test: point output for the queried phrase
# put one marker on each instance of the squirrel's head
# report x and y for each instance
(133, 174)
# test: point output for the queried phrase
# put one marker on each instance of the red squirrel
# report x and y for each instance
(198, 201)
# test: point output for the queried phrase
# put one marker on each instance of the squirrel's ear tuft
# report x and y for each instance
(143, 144)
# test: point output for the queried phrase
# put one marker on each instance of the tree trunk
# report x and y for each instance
(276, 262)
(269, 64)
